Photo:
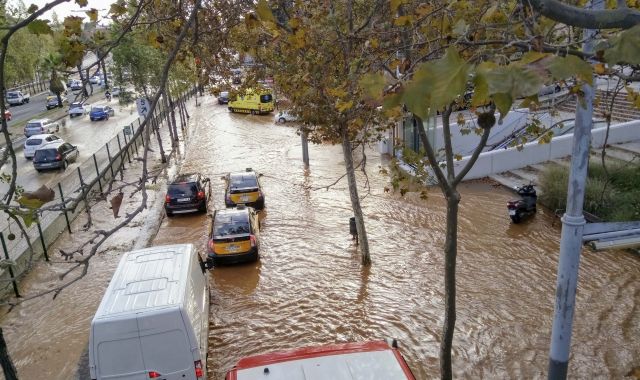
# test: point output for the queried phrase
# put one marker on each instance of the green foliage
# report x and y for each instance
(571, 66)
(39, 27)
(624, 47)
(614, 198)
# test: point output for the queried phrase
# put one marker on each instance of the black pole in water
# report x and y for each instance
(6, 256)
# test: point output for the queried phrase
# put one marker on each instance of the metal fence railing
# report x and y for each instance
(90, 176)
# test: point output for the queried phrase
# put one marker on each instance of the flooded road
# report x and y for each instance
(309, 288)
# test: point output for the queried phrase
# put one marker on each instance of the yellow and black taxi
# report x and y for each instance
(189, 192)
(244, 188)
(233, 237)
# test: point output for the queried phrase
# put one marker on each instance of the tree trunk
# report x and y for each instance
(355, 199)
(104, 74)
(450, 254)
(8, 368)
(157, 130)
(182, 121)
(173, 118)
(165, 112)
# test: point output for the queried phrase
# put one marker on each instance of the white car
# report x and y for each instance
(36, 141)
(40, 126)
(284, 116)
(77, 109)
(95, 79)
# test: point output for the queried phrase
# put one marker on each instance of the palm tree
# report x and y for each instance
(53, 63)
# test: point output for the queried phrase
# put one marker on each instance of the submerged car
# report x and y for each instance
(34, 142)
(101, 113)
(76, 109)
(375, 360)
(52, 102)
(233, 237)
(283, 117)
(55, 155)
(40, 126)
(223, 98)
(244, 188)
(188, 193)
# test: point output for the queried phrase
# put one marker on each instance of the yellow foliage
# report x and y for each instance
(344, 106)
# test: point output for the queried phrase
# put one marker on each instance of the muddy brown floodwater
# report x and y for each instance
(309, 288)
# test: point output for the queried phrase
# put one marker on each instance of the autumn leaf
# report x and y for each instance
(373, 85)
(344, 106)
(264, 12)
(624, 47)
(403, 20)
(72, 25)
(32, 203)
(39, 27)
(93, 14)
(503, 103)
(570, 66)
(449, 75)
(116, 10)
(395, 4)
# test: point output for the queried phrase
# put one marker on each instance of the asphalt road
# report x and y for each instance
(88, 135)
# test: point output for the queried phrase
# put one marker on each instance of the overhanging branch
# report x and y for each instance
(620, 18)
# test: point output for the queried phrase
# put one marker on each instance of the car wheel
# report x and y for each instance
(106, 118)
(281, 120)
(39, 170)
(169, 213)
(203, 208)
(65, 164)
(253, 112)
(231, 109)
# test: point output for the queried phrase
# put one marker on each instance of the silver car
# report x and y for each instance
(36, 141)
(40, 126)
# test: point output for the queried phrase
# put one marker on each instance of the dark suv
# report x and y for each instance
(55, 155)
(189, 192)
(244, 188)
(233, 237)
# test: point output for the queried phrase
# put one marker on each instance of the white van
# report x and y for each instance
(153, 320)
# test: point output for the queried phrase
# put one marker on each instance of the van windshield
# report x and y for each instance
(33, 125)
(34, 141)
(242, 181)
(265, 98)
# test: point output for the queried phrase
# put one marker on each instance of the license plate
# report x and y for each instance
(233, 248)
(244, 198)
(46, 164)
(184, 199)
(512, 212)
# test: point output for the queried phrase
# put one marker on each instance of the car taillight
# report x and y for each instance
(167, 199)
(212, 247)
(260, 193)
(198, 366)
(253, 240)
(58, 157)
(154, 374)
(227, 197)
(200, 194)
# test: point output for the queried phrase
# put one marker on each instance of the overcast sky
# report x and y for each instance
(68, 8)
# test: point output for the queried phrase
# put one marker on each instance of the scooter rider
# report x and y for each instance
(108, 95)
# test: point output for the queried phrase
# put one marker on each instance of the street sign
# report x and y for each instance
(128, 130)
(143, 106)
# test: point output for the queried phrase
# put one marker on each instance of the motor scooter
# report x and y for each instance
(525, 206)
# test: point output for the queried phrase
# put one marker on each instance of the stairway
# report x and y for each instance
(623, 109)
(620, 153)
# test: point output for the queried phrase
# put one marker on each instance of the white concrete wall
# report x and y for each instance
(499, 161)
(465, 144)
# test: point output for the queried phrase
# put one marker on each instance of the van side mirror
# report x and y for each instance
(260, 175)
